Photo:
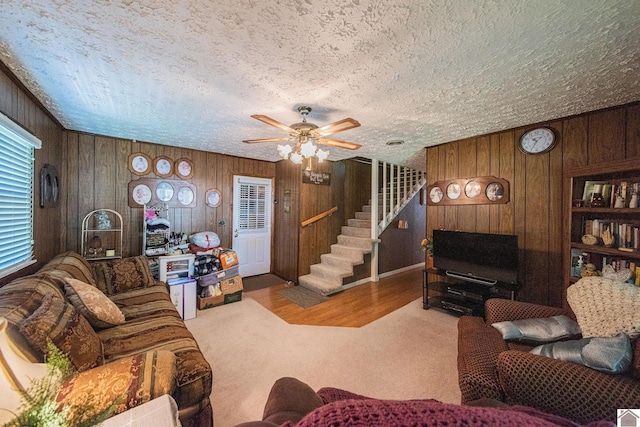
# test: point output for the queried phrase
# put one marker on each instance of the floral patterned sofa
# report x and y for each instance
(119, 328)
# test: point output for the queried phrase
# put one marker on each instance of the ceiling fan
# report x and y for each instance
(303, 131)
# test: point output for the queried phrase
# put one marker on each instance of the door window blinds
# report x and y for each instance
(254, 209)
(16, 196)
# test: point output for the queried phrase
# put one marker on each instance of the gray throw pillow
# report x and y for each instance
(607, 354)
(543, 329)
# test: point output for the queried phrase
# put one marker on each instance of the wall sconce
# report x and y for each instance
(403, 224)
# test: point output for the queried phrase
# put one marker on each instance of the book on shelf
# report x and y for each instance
(625, 235)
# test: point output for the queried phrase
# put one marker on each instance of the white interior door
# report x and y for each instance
(252, 224)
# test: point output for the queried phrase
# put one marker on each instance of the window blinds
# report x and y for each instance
(16, 196)
(253, 209)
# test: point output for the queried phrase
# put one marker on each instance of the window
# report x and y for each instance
(16, 196)
(254, 210)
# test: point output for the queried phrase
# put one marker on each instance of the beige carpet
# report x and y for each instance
(408, 354)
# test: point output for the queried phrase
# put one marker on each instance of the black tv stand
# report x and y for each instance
(461, 294)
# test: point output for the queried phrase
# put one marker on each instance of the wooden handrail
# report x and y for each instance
(318, 217)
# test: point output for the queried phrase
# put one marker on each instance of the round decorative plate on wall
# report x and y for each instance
(164, 191)
(185, 196)
(184, 168)
(163, 166)
(213, 198)
(141, 194)
(435, 194)
(139, 164)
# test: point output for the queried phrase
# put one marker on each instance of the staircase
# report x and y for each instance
(354, 242)
(356, 238)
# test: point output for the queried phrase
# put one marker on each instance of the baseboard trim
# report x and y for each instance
(383, 275)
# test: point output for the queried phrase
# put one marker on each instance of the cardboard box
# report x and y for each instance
(234, 297)
(232, 285)
(208, 302)
(227, 257)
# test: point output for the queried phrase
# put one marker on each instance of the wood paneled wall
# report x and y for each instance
(17, 104)
(296, 248)
(536, 187)
(96, 175)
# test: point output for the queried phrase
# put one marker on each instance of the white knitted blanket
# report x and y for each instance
(604, 307)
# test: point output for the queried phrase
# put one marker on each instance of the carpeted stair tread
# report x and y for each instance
(355, 231)
(363, 243)
(350, 252)
(362, 223)
(318, 284)
(330, 273)
(339, 261)
(363, 215)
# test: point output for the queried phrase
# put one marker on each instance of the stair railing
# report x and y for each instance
(328, 212)
(389, 194)
(397, 186)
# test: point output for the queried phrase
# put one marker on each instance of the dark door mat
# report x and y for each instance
(304, 297)
(261, 281)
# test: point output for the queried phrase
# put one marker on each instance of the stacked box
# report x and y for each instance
(217, 276)
(227, 257)
(231, 292)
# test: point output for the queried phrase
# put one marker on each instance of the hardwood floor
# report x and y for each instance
(354, 307)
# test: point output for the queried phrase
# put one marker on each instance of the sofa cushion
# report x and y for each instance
(125, 383)
(606, 354)
(539, 330)
(58, 321)
(120, 275)
(99, 310)
(72, 263)
(193, 378)
(604, 307)
(151, 301)
(21, 297)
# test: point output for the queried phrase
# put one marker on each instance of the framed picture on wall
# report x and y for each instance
(139, 164)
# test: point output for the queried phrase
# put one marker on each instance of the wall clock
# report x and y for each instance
(184, 168)
(213, 198)
(139, 164)
(163, 166)
(537, 141)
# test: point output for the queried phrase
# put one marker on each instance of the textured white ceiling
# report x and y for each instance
(190, 73)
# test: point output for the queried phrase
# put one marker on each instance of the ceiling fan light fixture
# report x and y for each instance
(296, 158)
(284, 150)
(307, 149)
(322, 155)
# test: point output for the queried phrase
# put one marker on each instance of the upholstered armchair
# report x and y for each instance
(490, 367)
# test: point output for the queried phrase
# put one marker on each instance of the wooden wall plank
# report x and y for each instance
(632, 147)
(606, 136)
(556, 198)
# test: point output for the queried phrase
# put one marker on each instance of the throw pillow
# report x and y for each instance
(99, 310)
(57, 320)
(120, 275)
(604, 307)
(606, 354)
(543, 329)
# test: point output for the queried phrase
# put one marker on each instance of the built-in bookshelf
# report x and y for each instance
(602, 218)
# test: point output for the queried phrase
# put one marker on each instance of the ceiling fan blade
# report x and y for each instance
(274, 123)
(335, 127)
(338, 143)
(254, 141)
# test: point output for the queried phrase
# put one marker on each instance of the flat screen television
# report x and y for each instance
(479, 257)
